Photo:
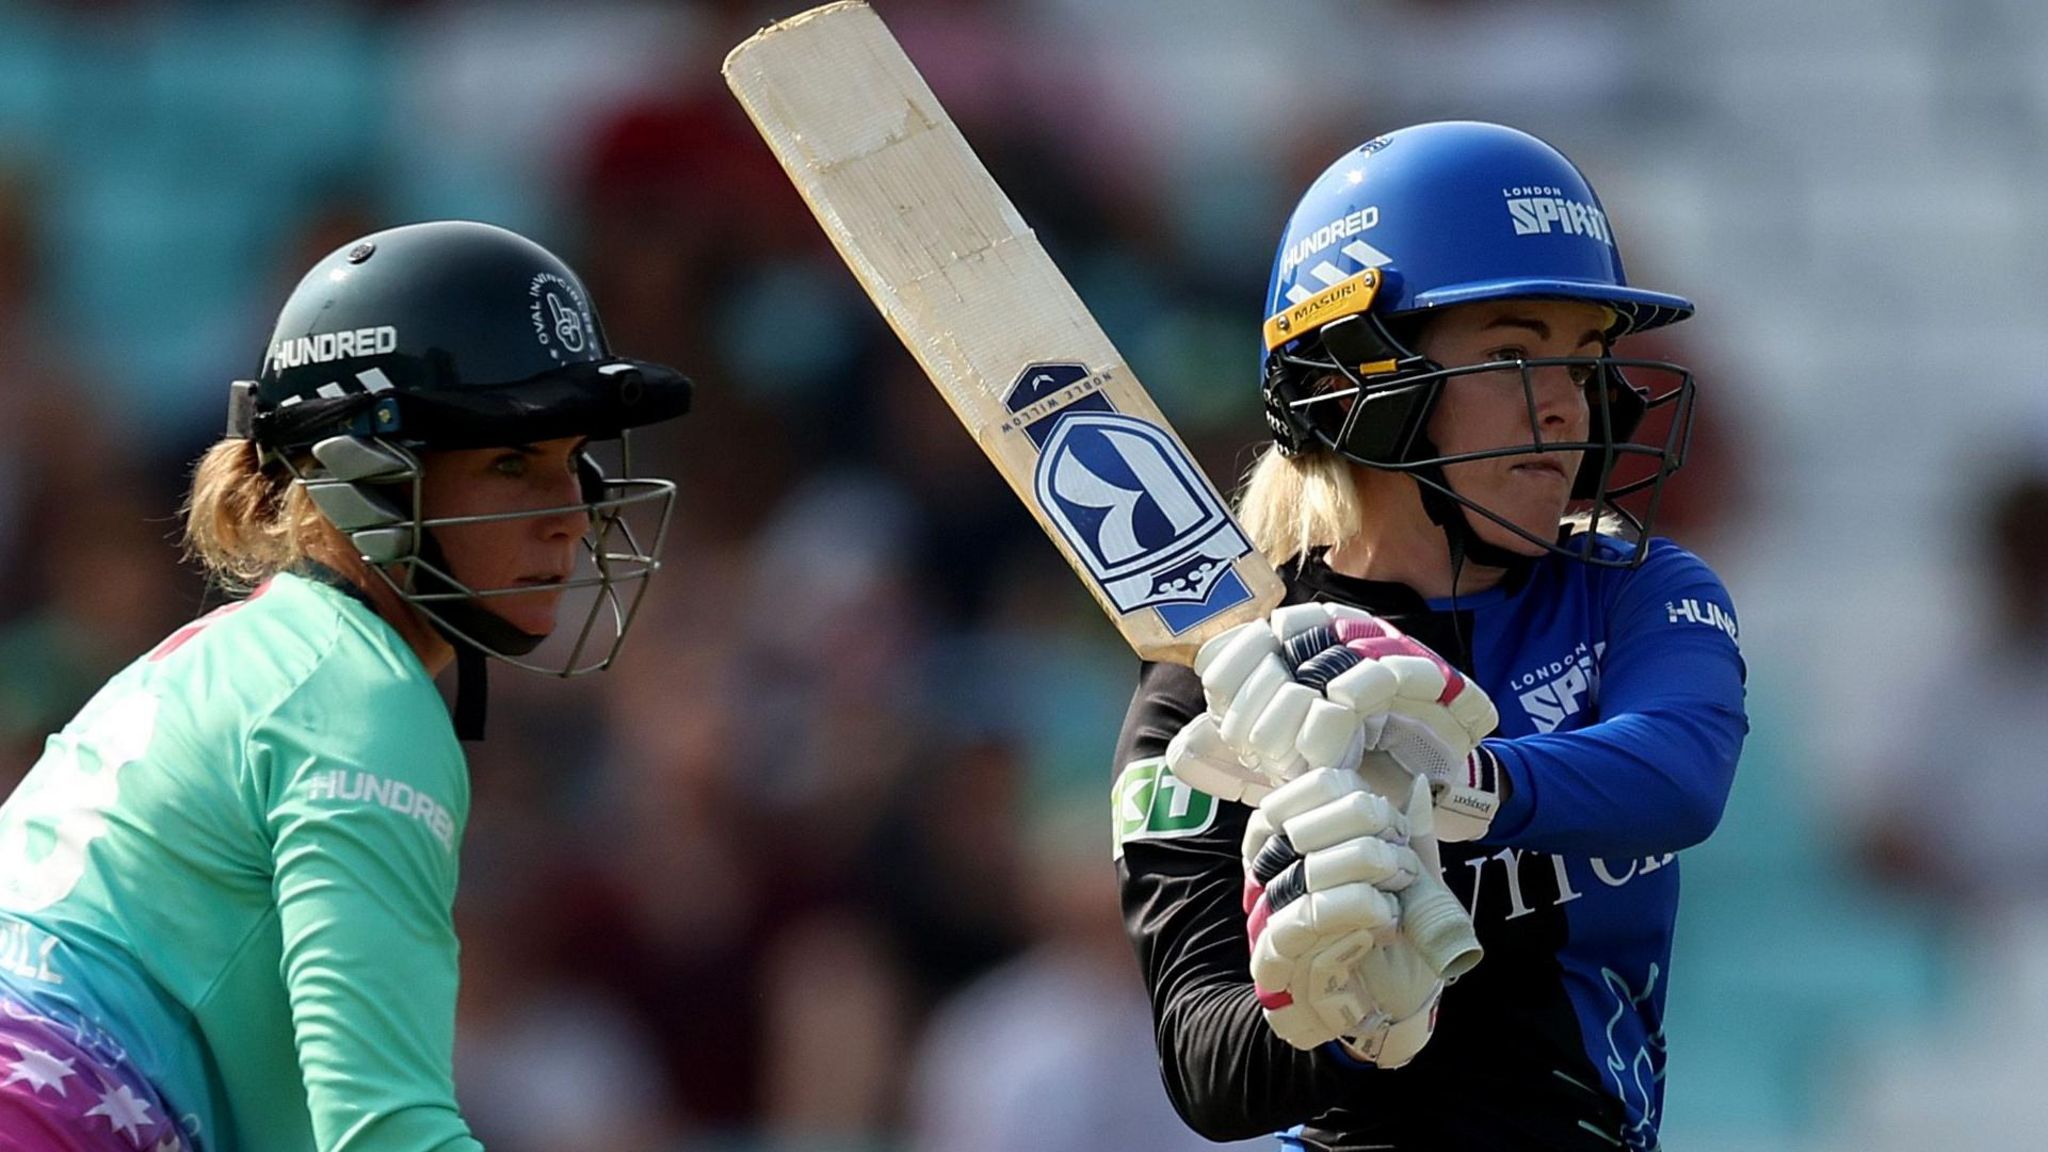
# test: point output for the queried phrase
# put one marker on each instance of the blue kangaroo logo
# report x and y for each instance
(1637, 1076)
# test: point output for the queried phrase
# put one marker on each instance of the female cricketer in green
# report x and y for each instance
(226, 886)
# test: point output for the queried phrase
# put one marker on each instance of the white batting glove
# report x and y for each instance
(1269, 716)
(1198, 755)
(1325, 860)
(1269, 685)
(1392, 1043)
(1433, 720)
(1406, 989)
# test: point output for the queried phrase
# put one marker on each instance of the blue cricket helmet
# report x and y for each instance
(1455, 212)
(1432, 216)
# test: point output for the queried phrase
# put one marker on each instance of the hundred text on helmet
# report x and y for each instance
(1350, 224)
(321, 347)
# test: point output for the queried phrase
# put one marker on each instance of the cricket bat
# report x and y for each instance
(972, 294)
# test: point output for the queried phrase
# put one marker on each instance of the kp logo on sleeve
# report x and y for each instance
(1125, 496)
(1152, 803)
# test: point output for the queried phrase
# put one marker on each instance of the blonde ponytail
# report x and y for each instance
(245, 522)
(1292, 504)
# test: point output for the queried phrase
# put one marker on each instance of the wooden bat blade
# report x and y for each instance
(972, 294)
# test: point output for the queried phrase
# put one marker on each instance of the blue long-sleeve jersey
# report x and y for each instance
(1620, 698)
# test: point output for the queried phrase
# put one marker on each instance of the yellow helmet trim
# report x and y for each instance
(1347, 297)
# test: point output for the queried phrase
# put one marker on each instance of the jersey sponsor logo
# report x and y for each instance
(1151, 803)
(397, 795)
(1552, 693)
(1132, 507)
(1544, 210)
(561, 318)
(1589, 871)
(321, 347)
(1693, 611)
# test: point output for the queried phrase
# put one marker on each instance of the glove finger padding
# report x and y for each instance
(1312, 921)
(1323, 860)
(1403, 981)
(1431, 722)
(1331, 805)
(1331, 736)
(1313, 877)
(1290, 927)
(1367, 688)
(1227, 661)
(1386, 866)
(1249, 702)
(1265, 682)
(1198, 755)
(1275, 732)
(1397, 674)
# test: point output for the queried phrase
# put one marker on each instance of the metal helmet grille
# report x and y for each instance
(371, 489)
(1640, 422)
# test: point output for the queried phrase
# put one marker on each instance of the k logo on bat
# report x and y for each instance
(1146, 525)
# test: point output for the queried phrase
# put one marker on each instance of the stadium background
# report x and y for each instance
(823, 865)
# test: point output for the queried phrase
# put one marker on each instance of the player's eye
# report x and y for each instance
(509, 464)
(1511, 352)
(1584, 375)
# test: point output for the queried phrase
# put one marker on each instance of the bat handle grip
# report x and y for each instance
(1438, 926)
(1434, 921)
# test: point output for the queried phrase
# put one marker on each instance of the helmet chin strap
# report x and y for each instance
(458, 621)
(472, 688)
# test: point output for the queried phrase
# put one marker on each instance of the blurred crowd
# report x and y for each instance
(823, 862)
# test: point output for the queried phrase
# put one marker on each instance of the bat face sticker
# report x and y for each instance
(1122, 482)
(1125, 497)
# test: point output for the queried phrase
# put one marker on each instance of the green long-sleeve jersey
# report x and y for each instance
(238, 863)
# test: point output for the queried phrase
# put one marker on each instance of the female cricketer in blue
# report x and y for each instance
(226, 886)
(1471, 607)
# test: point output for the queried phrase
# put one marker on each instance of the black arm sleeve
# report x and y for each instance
(1228, 1075)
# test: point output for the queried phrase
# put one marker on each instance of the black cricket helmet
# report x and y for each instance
(449, 335)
